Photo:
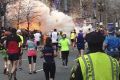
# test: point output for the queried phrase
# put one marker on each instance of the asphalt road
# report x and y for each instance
(61, 72)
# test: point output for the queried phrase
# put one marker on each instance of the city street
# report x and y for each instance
(61, 72)
(86, 26)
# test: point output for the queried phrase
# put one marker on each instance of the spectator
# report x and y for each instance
(111, 44)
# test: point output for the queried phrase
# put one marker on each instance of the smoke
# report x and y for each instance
(39, 16)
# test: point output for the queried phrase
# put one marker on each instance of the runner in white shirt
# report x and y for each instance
(54, 37)
(37, 37)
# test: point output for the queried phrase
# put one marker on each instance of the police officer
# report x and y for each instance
(112, 43)
(96, 65)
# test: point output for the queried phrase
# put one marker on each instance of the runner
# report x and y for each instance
(73, 38)
(54, 37)
(80, 43)
(59, 38)
(44, 38)
(64, 44)
(49, 66)
(37, 38)
(32, 54)
(19, 33)
(12, 45)
(3, 52)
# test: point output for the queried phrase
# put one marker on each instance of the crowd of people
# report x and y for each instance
(58, 43)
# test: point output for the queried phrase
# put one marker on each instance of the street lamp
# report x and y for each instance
(94, 9)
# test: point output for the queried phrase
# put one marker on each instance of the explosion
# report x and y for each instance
(34, 14)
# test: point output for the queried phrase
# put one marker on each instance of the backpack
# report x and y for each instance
(13, 47)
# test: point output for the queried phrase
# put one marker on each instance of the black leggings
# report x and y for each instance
(65, 57)
(30, 59)
(49, 69)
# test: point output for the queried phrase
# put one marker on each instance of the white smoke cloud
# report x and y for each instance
(39, 12)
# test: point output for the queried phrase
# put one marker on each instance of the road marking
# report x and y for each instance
(39, 70)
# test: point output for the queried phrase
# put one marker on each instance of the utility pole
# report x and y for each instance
(66, 5)
(3, 5)
(94, 9)
(81, 9)
(5, 2)
(101, 10)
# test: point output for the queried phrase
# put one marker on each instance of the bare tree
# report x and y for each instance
(18, 15)
(24, 12)
(17, 12)
(29, 11)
